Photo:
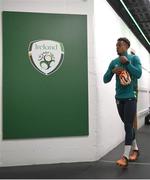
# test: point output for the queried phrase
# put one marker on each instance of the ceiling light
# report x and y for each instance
(134, 21)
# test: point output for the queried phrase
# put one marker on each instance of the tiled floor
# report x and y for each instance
(104, 168)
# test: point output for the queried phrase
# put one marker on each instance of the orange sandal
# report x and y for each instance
(123, 162)
(134, 155)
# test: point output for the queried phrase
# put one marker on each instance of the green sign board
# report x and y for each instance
(45, 75)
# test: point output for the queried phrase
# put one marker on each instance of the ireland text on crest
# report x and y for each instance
(46, 56)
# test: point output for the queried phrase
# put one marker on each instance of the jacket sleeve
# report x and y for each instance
(109, 74)
(135, 67)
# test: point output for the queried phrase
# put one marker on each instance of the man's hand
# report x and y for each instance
(123, 59)
(117, 70)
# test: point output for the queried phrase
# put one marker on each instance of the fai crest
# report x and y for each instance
(46, 56)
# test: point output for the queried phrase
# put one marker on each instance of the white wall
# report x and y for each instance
(55, 150)
(108, 28)
(105, 126)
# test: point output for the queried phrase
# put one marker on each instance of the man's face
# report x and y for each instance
(121, 47)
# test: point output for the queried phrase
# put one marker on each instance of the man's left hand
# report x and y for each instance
(123, 59)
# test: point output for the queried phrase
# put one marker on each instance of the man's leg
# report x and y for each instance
(135, 150)
(127, 109)
(121, 110)
(134, 143)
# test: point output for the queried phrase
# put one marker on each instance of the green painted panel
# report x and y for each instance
(36, 105)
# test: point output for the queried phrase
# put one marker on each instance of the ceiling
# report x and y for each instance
(136, 14)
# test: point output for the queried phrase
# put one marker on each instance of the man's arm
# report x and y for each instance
(135, 68)
(109, 74)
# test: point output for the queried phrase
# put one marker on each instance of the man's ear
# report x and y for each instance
(127, 46)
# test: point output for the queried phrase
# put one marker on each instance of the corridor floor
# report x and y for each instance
(104, 168)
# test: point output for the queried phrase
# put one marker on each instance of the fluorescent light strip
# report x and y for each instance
(135, 21)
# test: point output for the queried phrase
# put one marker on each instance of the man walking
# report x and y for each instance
(127, 69)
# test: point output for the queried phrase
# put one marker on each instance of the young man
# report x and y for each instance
(127, 69)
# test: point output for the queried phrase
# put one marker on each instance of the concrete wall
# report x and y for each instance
(105, 127)
(55, 150)
(108, 28)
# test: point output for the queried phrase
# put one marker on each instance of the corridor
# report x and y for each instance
(104, 168)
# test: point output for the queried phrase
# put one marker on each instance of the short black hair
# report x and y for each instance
(125, 40)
